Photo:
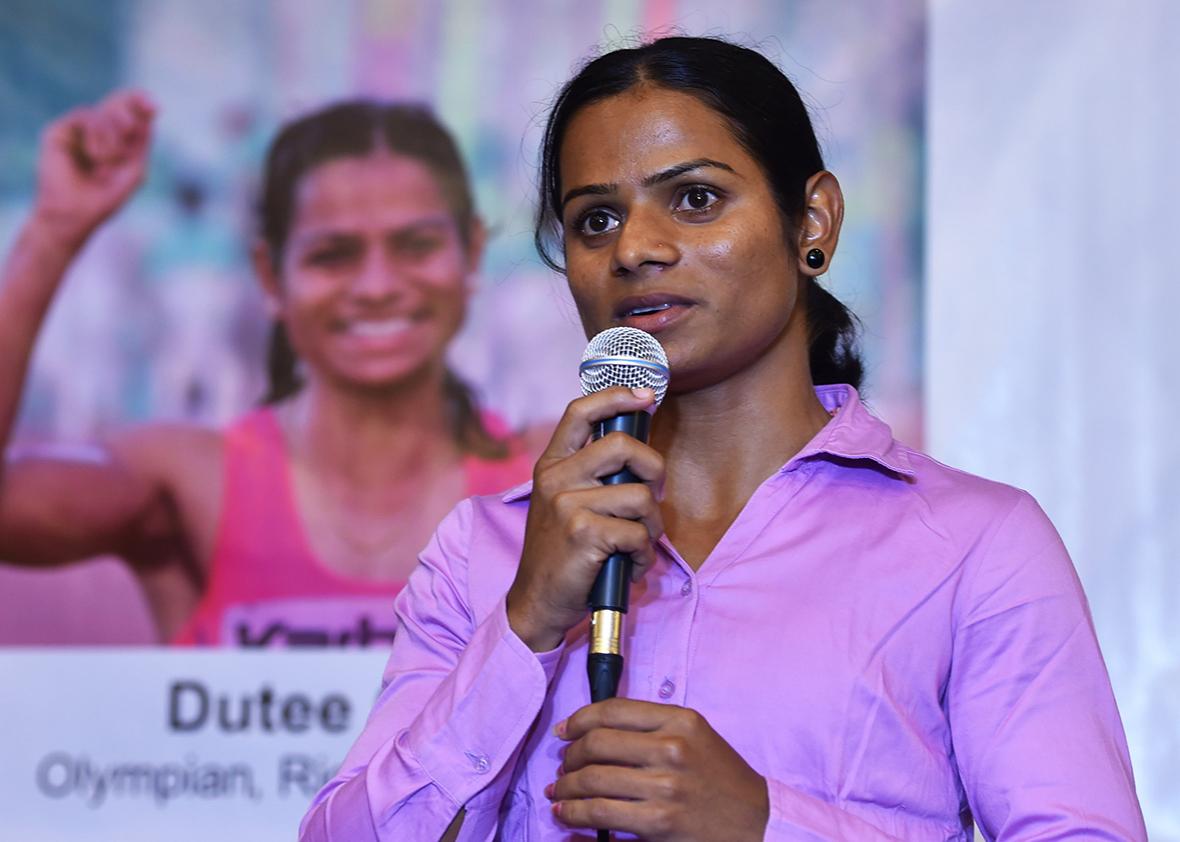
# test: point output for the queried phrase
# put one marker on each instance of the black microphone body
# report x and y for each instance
(611, 595)
(612, 588)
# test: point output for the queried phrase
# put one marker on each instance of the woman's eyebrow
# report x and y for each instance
(587, 190)
(688, 166)
(649, 181)
(332, 232)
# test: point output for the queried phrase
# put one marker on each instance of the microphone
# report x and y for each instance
(619, 356)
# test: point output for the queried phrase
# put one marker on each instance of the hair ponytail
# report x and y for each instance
(466, 424)
(834, 331)
(282, 367)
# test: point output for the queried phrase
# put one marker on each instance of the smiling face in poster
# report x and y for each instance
(375, 275)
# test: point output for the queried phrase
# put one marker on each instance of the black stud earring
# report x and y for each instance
(815, 259)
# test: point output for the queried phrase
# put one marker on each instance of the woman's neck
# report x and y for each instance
(368, 437)
(372, 473)
(721, 442)
(734, 436)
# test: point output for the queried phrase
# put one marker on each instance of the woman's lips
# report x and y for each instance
(652, 316)
(659, 320)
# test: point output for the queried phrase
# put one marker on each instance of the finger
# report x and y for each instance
(142, 103)
(615, 451)
(583, 471)
(585, 468)
(610, 747)
(619, 714)
(97, 137)
(116, 133)
(641, 818)
(610, 782)
(64, 128)
(599, 537)
(132, 101)
(630, 501)
(66, 135)
(577, 423)
(132, 112)
(124, 120)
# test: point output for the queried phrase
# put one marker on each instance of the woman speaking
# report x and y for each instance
(832, 636)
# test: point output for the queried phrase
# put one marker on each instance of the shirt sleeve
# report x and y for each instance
(1036, 734)
(459, 697)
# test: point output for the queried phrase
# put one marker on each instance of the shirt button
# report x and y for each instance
(686, 588)
(667, 689)
(479, 762)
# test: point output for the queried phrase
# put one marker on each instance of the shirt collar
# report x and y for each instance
(853, 433)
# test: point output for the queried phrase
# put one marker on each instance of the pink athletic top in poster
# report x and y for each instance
(266, 586)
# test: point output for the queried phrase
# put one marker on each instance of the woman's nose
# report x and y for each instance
(378, 278)
(644, 241)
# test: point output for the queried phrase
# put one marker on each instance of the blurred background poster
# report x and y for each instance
(162, 318)
(985, 246)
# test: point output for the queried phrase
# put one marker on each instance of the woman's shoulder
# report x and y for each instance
(165, 443)
(183, 459)
(971, 506)
(189, 443)
(937, 476)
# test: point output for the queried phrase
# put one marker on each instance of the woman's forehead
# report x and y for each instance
(642, 131)
(383, 186)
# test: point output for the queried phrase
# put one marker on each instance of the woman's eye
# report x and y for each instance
(329, 257)
(696, 198)
(417, 247)
(597, 222)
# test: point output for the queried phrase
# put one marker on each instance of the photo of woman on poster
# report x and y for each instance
(297, 523)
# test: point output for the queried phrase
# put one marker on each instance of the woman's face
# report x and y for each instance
(670, 226)
(373, 279)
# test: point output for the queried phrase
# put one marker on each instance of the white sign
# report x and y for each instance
(144, 745)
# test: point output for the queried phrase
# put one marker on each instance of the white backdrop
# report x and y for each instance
(1053, 311)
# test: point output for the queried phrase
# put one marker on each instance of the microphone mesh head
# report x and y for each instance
(624, 356)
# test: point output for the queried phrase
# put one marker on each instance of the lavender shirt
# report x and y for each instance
(895, 645)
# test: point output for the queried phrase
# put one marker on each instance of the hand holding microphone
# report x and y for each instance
(576, 521)
(620, 356)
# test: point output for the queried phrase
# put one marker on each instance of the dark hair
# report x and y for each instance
(354, 129)
(765, 114)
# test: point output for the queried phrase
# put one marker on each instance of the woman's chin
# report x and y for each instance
(382, 378)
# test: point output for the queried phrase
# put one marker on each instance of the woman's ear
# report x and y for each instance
(819, 232)
(268, 277)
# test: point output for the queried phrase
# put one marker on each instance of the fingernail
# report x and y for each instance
(559, 729)
(556, 808)
(549, 792)
(646, 394)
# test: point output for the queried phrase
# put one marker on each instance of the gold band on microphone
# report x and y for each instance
(606, 632)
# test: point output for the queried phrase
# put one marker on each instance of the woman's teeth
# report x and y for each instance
(643, 311)
(385, 327)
